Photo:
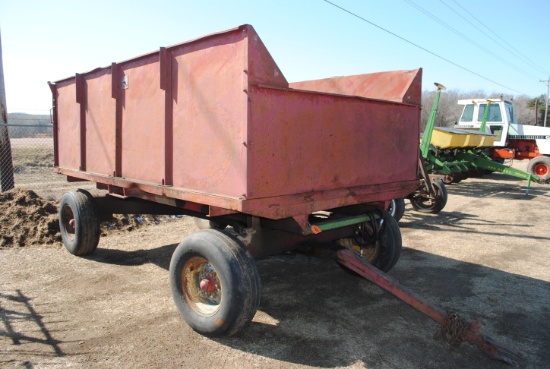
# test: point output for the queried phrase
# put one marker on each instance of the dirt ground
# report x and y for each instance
(484, 256)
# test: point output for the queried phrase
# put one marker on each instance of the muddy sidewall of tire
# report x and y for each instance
(238, 294)
(86, 236)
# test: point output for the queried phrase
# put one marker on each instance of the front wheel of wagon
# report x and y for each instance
(215, 283)
(78, 222)
(397, 208)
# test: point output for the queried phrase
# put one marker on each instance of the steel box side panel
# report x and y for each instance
(142, 148)
(399, 86)
(68, 125)
(209, 86)
(100, 127)
(308, 142)
(262, 69)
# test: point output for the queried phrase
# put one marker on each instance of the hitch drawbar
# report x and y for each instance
(453, 328)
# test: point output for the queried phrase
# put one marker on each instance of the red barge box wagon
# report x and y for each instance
(212, 129)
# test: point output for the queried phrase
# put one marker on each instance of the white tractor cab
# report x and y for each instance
(512, 141)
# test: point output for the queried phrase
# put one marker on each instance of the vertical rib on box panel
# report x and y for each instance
(81, 99)
(165, 57)
(115, 88)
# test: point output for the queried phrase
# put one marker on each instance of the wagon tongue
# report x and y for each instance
(453, 328)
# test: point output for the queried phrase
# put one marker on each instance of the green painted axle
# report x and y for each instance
(342, 222)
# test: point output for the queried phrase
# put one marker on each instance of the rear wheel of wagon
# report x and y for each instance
(385, 251)
(397, 208)
(424, 204)
(78, 222)
(215, 283)
(540, 166)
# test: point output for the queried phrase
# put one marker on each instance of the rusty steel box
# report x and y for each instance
(213, 121)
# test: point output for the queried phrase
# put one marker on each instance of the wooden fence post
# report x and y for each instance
(6, 163)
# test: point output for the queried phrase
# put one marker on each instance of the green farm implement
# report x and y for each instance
(456, 154)
(449, 155)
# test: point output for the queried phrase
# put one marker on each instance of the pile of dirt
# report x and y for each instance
(27, 219)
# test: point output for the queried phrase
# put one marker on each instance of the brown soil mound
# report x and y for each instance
(26, 219)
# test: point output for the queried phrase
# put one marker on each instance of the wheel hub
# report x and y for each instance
(541, 169)
(201, 286)
(208, 284)
(368, 253)
(68, 222)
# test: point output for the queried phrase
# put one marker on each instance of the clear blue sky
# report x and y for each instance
(49, 40)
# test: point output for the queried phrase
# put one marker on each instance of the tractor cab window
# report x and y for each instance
(467, 113)
(510, 113)
(494, 113)
(497, 131)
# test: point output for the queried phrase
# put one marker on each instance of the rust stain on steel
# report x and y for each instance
(215, 119)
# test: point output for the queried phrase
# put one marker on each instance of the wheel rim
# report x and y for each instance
(425, 203)
(369, 253)
(541, 169)
(392, 207)
(68, 222)
(201, 286)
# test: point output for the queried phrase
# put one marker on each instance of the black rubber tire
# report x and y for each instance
(208, 224)
(79, 222)
(237, 283)
(390, 245)
(425, 205)
(452, 178)
(397, 208)
(540, 166)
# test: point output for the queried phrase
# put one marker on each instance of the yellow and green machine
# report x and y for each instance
(457, 154)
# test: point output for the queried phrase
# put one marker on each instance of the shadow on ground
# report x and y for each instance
(24, 328)
(313, 313)
(321, 316)
(160, 256)
(498, 186)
